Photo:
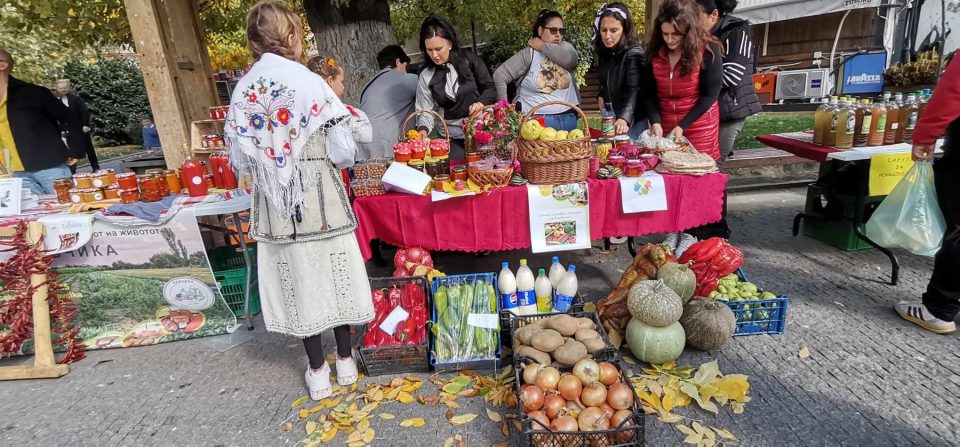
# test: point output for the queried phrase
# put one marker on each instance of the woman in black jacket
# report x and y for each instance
(621, 60)
(454, 81)
(738, 99)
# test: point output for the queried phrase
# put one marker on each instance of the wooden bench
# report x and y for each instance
(760, 157)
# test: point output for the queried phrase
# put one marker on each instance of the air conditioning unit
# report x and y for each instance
(803, 84)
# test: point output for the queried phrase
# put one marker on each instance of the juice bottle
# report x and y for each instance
(507, 284)
(820, 121)
(556, 273)
(846, 124)
(566, 290)
(830, 129)
(908, 118)
(544, 292)
(893, 119)
(526, 293)
(862, 125)
(922, 98)
(878, 124)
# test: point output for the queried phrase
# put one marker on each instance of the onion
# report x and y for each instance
(607, 409)
(540, 417)
(553, 405)
(532, 398)
(548, 378)
(620, 396)
(608, 373)
(592, 419)
(619, 417)
(570, 387)
(564, 423)
(416, 254)
(587, 370)
(573, 407)
(594, 395)
(624, 417)
(530, 373)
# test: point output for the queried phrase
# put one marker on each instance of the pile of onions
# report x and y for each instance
(592, 397)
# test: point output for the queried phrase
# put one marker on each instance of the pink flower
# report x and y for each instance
(483, 137)
(502, 103)
(501, 134)
(479, 126)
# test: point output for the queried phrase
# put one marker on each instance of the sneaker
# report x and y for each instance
(346, 371)
(318, 382)
(921, 316)
(671, 241)
(685, 242)
(618, 240)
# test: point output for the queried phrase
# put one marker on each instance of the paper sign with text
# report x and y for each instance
(886, 170)
(559, 217)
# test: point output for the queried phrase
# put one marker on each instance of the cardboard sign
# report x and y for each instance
(886, 170)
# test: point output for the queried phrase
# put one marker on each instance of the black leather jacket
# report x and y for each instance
(620, 80)
(738, 99)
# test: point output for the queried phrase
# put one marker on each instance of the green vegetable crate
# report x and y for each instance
(759, 316)
(505, 316)
(231, 274)
(465, 327)
(378, 361)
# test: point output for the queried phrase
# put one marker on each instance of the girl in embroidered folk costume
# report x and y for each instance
(289, 129)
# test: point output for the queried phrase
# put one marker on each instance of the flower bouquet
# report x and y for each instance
(493, 130)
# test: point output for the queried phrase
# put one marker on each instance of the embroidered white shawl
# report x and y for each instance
(274, 110)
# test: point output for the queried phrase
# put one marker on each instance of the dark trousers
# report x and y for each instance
(943, 292)
(314, 346)
(91, 154)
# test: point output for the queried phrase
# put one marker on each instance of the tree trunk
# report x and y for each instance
(352, 34)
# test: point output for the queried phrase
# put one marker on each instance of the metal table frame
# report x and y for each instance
(233, 208)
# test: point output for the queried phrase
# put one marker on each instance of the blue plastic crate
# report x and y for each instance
(473, 364)
(757, 317)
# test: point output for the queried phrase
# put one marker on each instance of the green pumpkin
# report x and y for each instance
(653, 303)
(655, 345)
(679, 278)
(708, 324)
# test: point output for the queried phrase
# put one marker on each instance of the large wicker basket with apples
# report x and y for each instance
(549, 160)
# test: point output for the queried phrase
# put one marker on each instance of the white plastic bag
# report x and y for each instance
(910, 217)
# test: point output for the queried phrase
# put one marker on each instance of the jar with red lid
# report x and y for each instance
(634, 168)
(193, 176)
(63, 187)
(617, 161)
(131, 195)
(150, 188)
(127, 180)
(418, 152)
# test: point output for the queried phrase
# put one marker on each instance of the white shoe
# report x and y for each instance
(318, 382)
(618, 240)
(685, 242)
(347, 370)
(921, 316)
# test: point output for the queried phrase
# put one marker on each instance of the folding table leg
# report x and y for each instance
(242, 237)
(895, 263)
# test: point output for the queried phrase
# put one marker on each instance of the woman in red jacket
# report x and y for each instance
(686, 66)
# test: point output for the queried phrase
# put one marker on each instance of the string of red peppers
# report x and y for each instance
(410, 332)
(16, 313)
(710, 260)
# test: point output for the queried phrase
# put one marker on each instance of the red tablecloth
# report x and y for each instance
(798, 143)
(499, 220)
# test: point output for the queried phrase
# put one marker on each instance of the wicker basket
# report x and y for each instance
(555, 162)
(487, 150)
(436, 117)
(496, 178)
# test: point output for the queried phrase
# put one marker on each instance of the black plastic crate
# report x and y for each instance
(505, 316)
(397, 359)
(517, 322)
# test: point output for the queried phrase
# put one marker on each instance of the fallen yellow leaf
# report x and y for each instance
(387, 416)
(368, 436)
(311, 427)
(725, 434)
(303, 413)
(405, 398)
(300, 400)
(804, 352)
(329, 435)
(494, 416)
(463, 418)
(413, 422)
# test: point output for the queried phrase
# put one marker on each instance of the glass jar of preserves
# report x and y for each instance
(459, 173)
(75, 195)
(417, 164)
(82, 181)
(439, 182)
(634, 168)
(172, 178)
(617, 161)
(111, 192)
(433, 167)
(63, 186)
(127, 180)
(444, 164)
(162, 182)
(90, 195)
(103, 179)
(472, 157)
(131, 195)
(208, 179)
(150, 188)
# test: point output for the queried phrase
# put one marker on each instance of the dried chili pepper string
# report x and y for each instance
(17, 313)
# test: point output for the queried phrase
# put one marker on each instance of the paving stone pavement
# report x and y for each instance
(872, 379)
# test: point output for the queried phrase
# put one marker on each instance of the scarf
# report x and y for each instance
(275, 109)
(446, 87)
(596, 19)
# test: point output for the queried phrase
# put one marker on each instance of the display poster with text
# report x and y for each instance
(559, 217)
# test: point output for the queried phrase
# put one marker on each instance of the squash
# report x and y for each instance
(679, 278)
(655, 345)
(653, 303)
(709, 324)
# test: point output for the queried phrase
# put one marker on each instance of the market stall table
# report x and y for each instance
(499, 220)
(839, 202)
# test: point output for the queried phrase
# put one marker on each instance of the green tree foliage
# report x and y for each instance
(114, 91)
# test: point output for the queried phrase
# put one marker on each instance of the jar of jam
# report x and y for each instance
(417, 164)
(618, 161)
(90, 195)
(150, 188)
(472, 157)
(131, 195)
(63, 186)
(127, 180)
(172, 178)
(418, 152)
(433, 167)
(459, 173)
(82, 181)
(439, 181)
(620, 141)
(444, 164)
(162, 182)
(76, 195)
(103, 179)
(111, 192)
(634, 168)
(401, 154)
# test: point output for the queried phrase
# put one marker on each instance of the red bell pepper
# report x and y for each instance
(410, 297)
(405, 331)
(395, 295)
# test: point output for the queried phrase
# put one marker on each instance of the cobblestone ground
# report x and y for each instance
(872, 379)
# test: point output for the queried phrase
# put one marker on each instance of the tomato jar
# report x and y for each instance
(76, 195)
(111, 192)
(634, 168)
(162, 183)
(440, 181)
(82, 181)
(617, 161)
(131, 195)
(150, 188)
(172, 178)
(459, 173)
(127, 180)
(472, 157)
(104, 178)
(63, 186)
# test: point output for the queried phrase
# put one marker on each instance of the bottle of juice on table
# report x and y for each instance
(893, 119)
(507, 284)
(556, 273)
(544, 292)
(566, 290)
(862, 126)
(526, 290)
(879, 123)
(846, 124)
(909, 113)
(830, 135)
(820, 121)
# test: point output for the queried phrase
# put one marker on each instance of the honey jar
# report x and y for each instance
(131, 195)
(90, 195)
(173, 181)
(111, 192)
(127, 180)
(75, 195)
(103, 179)
(63, 186)
(82, 181)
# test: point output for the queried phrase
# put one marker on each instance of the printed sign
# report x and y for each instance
(66, 232)
(559, 217)
(11, 195)
(886, 170)
(642, 194)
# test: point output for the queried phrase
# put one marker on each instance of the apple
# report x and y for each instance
(530, 130)
(562, 135)
(575, 134)
(548, 134)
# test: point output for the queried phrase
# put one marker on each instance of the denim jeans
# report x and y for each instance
(41, 182)
(561, 121)
(637, 128)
